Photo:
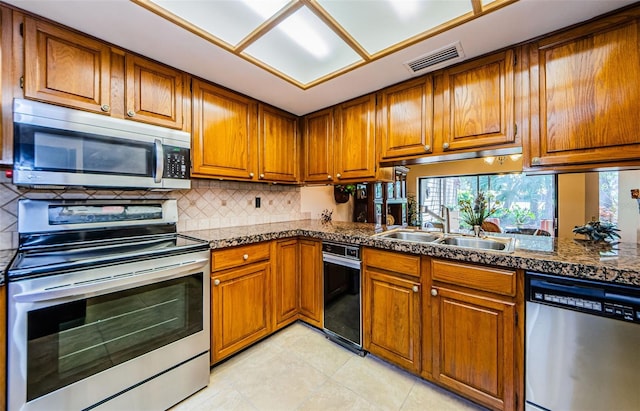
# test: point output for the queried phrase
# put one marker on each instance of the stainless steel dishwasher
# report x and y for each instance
(582, 345)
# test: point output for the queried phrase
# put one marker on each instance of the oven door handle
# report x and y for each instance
(107, 285)
(337, 260)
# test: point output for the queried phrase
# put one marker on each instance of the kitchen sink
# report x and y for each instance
(411, 235)
(503, 244)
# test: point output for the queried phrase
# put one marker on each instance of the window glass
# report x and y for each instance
(527, 204)
(608, 195)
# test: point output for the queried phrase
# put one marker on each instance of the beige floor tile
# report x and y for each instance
(426, 396)
(335, 397)
(382, 384)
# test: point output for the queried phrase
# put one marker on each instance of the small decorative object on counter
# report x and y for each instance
(413, 216)
(635, 193)
(325, 216)
(473, 212)
(598, 231)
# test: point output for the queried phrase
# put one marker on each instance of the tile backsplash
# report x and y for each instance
(208, 204)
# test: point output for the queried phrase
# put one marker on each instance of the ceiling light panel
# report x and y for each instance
(228, 20)
(303, 48)
(380, 24)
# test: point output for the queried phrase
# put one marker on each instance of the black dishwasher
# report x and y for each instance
(342, 284)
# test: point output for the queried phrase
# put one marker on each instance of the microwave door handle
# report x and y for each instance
(109, 285)
(159, 160)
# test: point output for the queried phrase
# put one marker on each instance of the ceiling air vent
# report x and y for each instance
(436, 59)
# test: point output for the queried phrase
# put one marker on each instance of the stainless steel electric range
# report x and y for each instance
(108, 307)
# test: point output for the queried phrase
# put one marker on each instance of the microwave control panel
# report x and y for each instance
(176, 162)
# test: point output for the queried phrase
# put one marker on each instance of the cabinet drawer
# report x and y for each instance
(239, 256)
(496, 280)
(397, 262)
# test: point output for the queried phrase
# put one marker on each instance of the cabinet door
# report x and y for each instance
(154, 93)
(278, 145)
(310, 295)
(66, 68)
(391, 318)
(405, 119)
(286, 280)
(3, 347)
(240, 308)
(318, 146)
(7, 60)
(355, 137)
(584, 96)
(479, 103)
(224, 133)
(473, 346)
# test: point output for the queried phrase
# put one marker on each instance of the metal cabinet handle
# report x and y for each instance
(535, 161)
(434, 292)
(261, 176)
(329, 177)
(445, 146)
(216, 282)
(415, 288)
(245, 257)
(338, 175)
(427, 147)
(131, 113)
(251, 175)
(105, 107)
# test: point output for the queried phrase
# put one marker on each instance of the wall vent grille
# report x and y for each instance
(436, 59)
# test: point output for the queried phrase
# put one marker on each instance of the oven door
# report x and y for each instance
(78, 339)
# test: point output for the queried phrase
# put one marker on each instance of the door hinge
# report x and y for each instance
(517, 401)
(515, 59)
(515, 129)
(516, 318)
(21, 81)
(21, 29)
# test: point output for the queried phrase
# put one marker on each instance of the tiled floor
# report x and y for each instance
(299, 369)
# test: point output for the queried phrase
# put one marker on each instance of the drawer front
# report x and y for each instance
(496, 280)
(239, 256)
(400, 263)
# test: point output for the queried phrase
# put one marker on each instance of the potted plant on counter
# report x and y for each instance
(473, 211)
(341, 193)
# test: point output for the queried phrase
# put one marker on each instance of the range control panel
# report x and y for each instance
(620, 303)
(176, 163)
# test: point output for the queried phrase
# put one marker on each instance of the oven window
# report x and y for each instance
(75, 340)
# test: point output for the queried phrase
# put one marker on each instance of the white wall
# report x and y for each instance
(628, 212)
(571, 200)
(314, 199)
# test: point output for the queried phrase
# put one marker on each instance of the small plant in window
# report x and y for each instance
(521, 216)
(473, 211)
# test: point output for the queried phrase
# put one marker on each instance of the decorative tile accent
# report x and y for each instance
(208, 205)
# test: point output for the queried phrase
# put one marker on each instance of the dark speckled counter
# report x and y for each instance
(564, 257)
(5, 259)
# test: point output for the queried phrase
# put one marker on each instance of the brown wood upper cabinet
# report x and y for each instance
(584, 96)
(318, 146)
(478, 103)
(355, 138)
(74, 70)
(154, 93)
(224, 137)
(7, 85)
(277, 145)
(405, 119)
(66, 68)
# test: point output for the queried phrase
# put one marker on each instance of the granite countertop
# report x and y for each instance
(564, 257)
(5, 259)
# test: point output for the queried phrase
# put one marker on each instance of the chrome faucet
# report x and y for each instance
(444, 218)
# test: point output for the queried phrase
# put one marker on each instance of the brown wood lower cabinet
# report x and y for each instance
(286, 280)
(241, 310)
(311, 271)
(3, 347)
(475, 332)
(391, 307)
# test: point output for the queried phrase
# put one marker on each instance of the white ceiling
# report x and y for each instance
(132, 27)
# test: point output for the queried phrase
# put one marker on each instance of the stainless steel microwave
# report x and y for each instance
(61, 147)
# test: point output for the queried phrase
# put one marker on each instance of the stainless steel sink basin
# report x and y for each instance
(411, 235)
(503, 244)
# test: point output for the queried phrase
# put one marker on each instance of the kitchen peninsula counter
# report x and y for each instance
(565, 257)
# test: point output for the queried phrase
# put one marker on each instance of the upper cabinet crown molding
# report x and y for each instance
(584, 96)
